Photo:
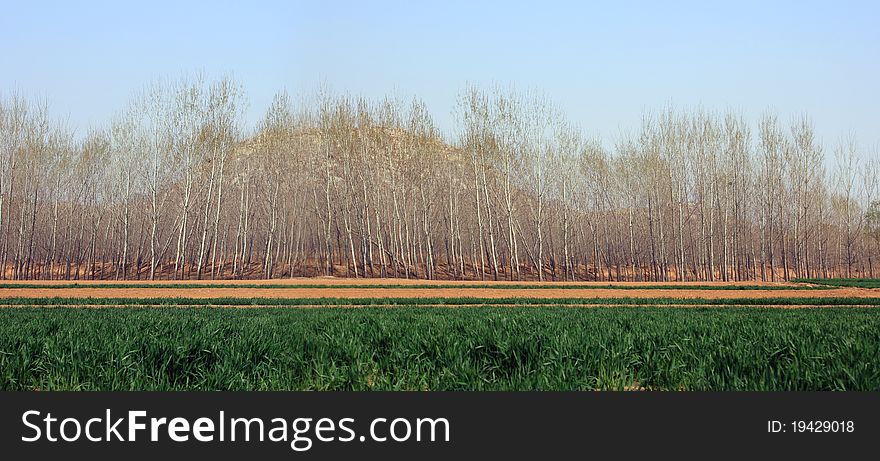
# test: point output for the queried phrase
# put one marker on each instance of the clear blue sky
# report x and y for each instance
(604, 63)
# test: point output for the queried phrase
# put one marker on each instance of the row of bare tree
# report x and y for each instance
(177, 187)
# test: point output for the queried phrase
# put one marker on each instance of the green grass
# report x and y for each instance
(468, 348)
(860, 283)
(434, 301)
(518, 286)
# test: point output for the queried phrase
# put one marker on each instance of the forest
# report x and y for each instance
(178, 186)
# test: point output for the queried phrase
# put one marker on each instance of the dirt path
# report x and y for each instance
(334, 292)
(333, 281)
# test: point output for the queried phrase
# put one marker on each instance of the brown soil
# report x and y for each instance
(332, 281)
(331, 291)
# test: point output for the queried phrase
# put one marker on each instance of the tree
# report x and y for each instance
(335, 185)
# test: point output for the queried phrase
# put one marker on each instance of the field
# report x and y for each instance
(853, 282)
(341, 334)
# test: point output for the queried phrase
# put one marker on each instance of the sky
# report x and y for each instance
(604, 64)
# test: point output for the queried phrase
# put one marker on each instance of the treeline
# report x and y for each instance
(177, 187)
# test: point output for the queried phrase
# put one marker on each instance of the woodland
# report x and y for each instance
(178, 186)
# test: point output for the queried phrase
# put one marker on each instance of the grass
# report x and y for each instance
(520, 286)
(438, 301)
(469, 348)
(843, 282)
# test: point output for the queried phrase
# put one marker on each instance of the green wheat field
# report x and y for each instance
(416, 347)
